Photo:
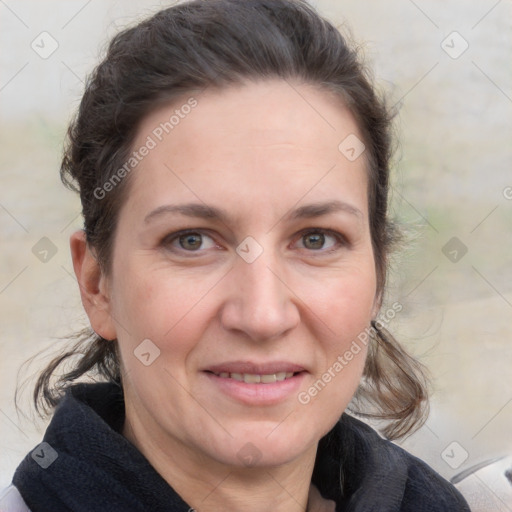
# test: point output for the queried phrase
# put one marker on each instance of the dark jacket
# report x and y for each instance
(85, 465)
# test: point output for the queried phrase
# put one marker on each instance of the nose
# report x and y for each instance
(260, 304)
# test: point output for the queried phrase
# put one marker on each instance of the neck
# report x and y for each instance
(209, 486)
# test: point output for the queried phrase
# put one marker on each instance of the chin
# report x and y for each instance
(260, 446)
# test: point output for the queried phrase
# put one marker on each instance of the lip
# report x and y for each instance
(265, 368)
(253, 394)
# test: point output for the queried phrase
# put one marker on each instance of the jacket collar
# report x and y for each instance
(355, 467)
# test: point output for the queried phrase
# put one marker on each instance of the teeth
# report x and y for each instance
(251, 378)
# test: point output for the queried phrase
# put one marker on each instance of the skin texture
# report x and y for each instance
(259, 151)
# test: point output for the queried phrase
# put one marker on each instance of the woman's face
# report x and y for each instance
(243, 254)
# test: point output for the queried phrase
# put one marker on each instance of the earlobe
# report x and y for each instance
(93, 286)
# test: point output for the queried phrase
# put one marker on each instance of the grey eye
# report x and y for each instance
(318, 239)
(314, 240)
(191, 241)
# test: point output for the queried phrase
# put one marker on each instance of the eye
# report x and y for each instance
(190, 241)
(320, 240)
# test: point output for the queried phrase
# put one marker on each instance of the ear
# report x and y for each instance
(94, 288)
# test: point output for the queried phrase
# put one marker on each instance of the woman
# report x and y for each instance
(232, 163)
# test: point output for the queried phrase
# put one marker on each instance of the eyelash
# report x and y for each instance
(341, 240)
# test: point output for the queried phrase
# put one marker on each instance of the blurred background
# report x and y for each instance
(446, 66)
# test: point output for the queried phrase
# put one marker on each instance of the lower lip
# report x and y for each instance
(258, 394)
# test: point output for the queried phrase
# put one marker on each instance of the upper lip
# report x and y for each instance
(267, 368)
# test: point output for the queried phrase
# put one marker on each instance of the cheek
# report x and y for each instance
(343, 308)
(345, 304)
(160, 305)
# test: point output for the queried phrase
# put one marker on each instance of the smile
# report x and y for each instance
(253, 378)
(253, 384)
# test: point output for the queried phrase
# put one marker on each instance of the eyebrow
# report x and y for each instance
(204, 211)
(197, 210)
(319, 209)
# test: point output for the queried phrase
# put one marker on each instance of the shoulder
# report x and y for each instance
(402, 473)
(11, 500)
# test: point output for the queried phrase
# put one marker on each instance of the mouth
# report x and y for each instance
(256, 378)
(257, 384)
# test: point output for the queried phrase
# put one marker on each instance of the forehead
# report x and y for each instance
(272, 141)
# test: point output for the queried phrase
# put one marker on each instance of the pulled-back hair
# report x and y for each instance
(217, 43)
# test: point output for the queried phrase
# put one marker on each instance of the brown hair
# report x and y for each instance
(201, 44)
